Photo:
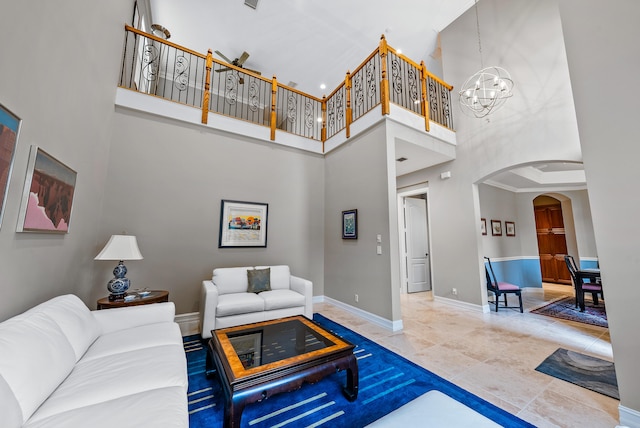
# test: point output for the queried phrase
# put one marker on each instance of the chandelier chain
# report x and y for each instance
(489, 88)
(478, 31)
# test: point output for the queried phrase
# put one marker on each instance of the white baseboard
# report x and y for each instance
(373, 318)
(462, 305)
(629, 417)
(189, 323)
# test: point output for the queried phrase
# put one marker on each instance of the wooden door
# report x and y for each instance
(552, 244)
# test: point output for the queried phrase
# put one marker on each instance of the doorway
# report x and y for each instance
(413, 225)
(552, 242)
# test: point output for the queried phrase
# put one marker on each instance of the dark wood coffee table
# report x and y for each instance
(256, 361)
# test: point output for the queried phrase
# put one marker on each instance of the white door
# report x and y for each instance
(417, 242)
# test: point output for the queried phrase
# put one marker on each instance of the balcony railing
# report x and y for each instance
(160, 68)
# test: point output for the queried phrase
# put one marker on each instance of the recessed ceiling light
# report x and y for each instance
(323, 86)
(399, 51)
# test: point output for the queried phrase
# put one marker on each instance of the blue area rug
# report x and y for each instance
(387, 381)
(583, 370)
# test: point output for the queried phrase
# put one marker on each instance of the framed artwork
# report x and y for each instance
(47, 198)
(496, 228)
(510, 228)
(483, 225)
(9, 130)
(350, 224)
(243, 224)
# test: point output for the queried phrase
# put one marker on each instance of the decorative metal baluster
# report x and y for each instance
(150, 64)
(359, 89)
(181, 79)
(396, 76)
(291, 108)
(413, 86)
(308, 115)
(254, 96)
(331, 112)
(231, 89)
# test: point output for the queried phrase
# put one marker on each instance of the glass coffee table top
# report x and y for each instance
(271, 343)
(254, 349)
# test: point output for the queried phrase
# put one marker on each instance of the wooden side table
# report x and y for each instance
(154, 296)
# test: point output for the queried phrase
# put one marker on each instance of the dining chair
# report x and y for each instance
(580, 285)
(501, 288)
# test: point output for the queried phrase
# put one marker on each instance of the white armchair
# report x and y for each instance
(226, 302)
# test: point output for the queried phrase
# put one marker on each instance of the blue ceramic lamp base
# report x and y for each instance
(119, 285)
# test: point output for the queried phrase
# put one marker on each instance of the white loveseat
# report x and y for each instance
(62, 365)
(225, 301)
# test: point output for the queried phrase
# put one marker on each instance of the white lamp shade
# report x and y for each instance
(120, 247)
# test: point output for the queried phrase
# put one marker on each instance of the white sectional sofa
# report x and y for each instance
(62, 365)
(226, 301)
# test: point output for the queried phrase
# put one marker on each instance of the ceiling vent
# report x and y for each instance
(251, 3)
(402, 159)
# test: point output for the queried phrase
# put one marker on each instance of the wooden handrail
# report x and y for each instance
(300, 92)
(335, 91)
(403, 57)
(158, 39)
(358, 68)
(440, 81)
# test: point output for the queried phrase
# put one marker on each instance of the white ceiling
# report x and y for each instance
(314, 42)
(547, 176)
(304, 41)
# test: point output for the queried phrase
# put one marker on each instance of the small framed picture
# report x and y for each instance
(510, 228)
(243, 224)
(483, 225)
(350, 224)
(496, 228)
(47, 197)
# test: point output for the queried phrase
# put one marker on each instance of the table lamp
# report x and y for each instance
(120, 247)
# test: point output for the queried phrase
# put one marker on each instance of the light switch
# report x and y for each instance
(378, 238)
(379, 249)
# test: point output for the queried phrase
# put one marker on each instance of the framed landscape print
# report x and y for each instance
(47, 198)
(510, 228)
(496, 228)
(350, 224)
(243, 224)
(9, 130)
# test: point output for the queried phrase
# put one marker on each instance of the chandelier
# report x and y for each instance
(487, 89)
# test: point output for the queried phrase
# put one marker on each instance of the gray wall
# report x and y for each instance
(357, 178)
(61, 80)
(537, 124)
(505, 205)
(165, 183)
(598, 33)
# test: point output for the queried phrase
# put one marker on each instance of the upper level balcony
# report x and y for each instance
(166, 79)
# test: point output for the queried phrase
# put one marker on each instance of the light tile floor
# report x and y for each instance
(494, 355)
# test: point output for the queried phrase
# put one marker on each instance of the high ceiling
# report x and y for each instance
(307, 43)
